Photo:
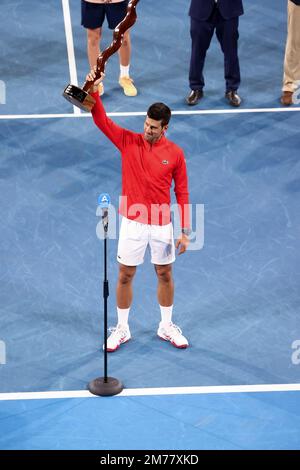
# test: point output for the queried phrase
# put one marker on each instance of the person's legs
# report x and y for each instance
(121, 333)
(92, 17)
(167, 330)
(165, 287)
(227, 34)
(93, 45)
(162, 256)
(201, 35)
(93, 50)
(124, 54)
(115, 13)
(133, 241)
(125, 50)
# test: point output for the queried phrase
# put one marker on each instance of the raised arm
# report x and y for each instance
(113, 132)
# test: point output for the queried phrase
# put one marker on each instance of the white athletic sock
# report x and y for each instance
(166, 314)
(123, 316)
(124, 71)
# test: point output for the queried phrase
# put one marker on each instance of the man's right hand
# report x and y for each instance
(91, 76)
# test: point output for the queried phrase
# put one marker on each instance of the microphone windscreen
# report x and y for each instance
(104, 200)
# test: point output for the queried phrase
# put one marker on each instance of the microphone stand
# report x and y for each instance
(105, 386)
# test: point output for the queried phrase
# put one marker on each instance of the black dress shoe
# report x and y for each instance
(194, 97)
(233, 98)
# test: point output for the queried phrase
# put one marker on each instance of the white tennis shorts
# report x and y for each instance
(135, 237)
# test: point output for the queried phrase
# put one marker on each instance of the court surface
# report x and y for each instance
(236, 298)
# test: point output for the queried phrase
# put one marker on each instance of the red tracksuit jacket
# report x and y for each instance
(147, 173)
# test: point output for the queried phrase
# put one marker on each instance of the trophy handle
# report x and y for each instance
(118, 36)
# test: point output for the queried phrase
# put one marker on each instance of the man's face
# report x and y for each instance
(153, 130)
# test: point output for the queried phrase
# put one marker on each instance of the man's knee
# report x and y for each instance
(126, 274)
(164, 273)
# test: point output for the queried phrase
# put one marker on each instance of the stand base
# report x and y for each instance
(105, 389)
(79, 97)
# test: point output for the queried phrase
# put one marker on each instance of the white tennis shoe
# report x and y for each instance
(119, 335)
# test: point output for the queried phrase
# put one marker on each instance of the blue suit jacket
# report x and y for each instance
(201, 9)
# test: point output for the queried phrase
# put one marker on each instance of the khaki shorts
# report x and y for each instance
(136, 237)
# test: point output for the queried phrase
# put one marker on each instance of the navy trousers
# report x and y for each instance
(227, 34)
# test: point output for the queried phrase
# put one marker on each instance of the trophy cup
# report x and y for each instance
(80, 97)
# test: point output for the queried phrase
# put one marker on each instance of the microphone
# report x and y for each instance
(103, 202)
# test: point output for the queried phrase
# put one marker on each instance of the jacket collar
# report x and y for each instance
(157, 144)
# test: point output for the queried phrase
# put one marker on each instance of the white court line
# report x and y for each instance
(143, 113)
(70, 48)
(133, 392)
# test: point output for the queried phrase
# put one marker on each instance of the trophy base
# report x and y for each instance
(79, 98)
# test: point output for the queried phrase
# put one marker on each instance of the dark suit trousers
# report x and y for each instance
(227, 34)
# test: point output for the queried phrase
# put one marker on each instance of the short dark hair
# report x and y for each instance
(159, 112)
